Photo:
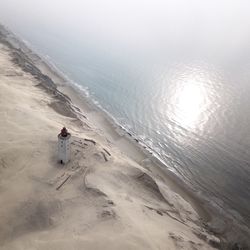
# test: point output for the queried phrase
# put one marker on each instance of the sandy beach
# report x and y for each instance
(111, 195)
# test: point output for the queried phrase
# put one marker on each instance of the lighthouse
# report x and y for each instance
(64, 146)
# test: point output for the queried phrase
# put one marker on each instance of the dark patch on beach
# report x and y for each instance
(108, 214)
(214, 242)
(109, 203)
(107, 151)
(62, 109)
(90, 140)
(150, 185)
(63, 182)
(104, 156)
(95, 192)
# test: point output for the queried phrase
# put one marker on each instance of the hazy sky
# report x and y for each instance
(146, 24)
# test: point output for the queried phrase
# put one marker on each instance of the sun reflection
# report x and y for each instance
(186, 100)
(189, 103)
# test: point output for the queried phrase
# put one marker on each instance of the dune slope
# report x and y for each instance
(100, 200)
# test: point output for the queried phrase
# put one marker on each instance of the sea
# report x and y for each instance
(174, 74)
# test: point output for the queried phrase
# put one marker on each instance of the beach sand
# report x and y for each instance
(109, 196)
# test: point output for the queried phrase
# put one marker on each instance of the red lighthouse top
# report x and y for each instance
(64, 132)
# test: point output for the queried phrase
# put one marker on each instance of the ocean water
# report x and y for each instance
(194, 115)
(186, 95)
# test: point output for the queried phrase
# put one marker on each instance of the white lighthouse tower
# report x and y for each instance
(64, 146)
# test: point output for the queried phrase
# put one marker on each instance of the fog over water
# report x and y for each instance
(175, 73)
(217, 27)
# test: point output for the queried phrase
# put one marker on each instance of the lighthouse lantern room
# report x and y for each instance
(64, 146)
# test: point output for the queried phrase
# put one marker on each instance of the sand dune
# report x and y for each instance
(101, 199)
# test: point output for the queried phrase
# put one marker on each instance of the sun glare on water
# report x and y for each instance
(190, 101)
(186, 99)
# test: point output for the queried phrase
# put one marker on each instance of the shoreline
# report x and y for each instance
(77, 106)
(112, 131)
